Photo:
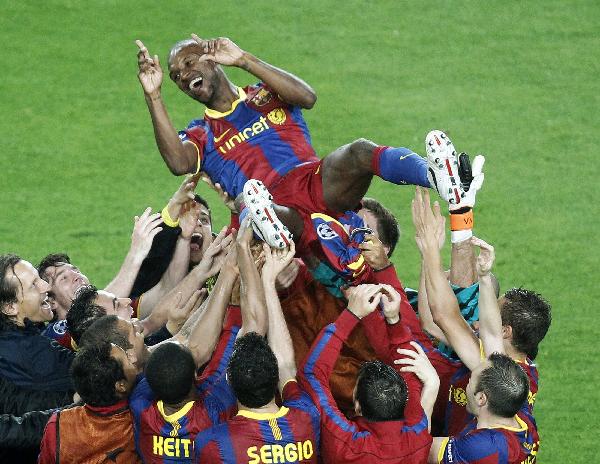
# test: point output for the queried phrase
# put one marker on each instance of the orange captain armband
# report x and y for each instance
(461, 220)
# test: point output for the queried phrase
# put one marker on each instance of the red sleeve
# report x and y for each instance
(314, 379)
(195, 134)
(48, 445)
(398, 336)
(388, 276)
(375, 326)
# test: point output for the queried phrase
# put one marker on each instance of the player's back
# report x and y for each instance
(509, 445)
(163, 437)
(397, 442)
(288, 435)
(457, 416)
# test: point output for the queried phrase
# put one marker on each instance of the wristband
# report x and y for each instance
(457, 236)
(167, 219)
(462, 220)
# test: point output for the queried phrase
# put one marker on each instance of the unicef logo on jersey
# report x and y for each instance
(325, 232)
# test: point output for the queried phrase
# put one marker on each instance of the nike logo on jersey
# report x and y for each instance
(405, 156)
(220, 137)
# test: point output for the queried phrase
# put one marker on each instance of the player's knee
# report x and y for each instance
(361, 147)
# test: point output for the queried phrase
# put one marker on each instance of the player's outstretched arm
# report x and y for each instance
(290, 88)
(425, 317)
(205, 333)
(490, 320)
(252, 295)
(278, 333)
(146, 227)
(442, 301)
(181, 210)
(462, 261)
(181, 158)
(417, 362)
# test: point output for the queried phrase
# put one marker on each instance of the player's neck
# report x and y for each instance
(486, 420)
(514, 353)
(224, 97)
(269, 408)
(174, 407)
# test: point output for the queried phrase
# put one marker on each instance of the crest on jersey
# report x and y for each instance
(277, 116)
(325, 232)
(460, 396)
(60, 327)
(262, 97)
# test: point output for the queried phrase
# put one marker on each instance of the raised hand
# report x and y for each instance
(220, 50)
(185, 192)
(424, 221)
(188, 219)
(223, 195)
(276, 260)
(150, 73)
(374, 252)
(215, 254)
(145, 228)
(390, 301)
(440, 225)
(363, 299)
(245, 234)
(180, 312)
(486, 257)
(418, 363)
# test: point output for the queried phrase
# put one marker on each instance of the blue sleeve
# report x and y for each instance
(223, 447)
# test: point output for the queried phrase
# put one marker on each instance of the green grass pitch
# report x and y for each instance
(517, 81)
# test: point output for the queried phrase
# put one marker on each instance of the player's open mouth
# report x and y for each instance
(196, 83)
(46, 305)
(196, 241)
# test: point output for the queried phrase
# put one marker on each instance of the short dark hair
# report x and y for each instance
(505, 385)
(529, 315)
(105, 329)
(387, 226)
(94, 372)
(8, 289)
(83, 311)
(252, 371)
(51, 260)
(170, 372)
(381, 392)
(203, 202)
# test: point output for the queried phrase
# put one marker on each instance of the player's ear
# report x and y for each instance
(10, 309)
(121, 387)
(507, 332)
(481, 399)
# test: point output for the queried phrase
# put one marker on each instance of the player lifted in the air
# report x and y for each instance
(258, 132)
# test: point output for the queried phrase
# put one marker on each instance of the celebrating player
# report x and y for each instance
(259, 133)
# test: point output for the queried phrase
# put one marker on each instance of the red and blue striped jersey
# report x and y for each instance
(498, 445)
(169, 438)
(260, 137)
(340, 246)
(361, 441)
(457, 416)
(289, 435)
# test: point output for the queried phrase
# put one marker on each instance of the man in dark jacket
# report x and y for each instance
(34, 371)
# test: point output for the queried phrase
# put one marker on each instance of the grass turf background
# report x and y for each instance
(516, 81)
